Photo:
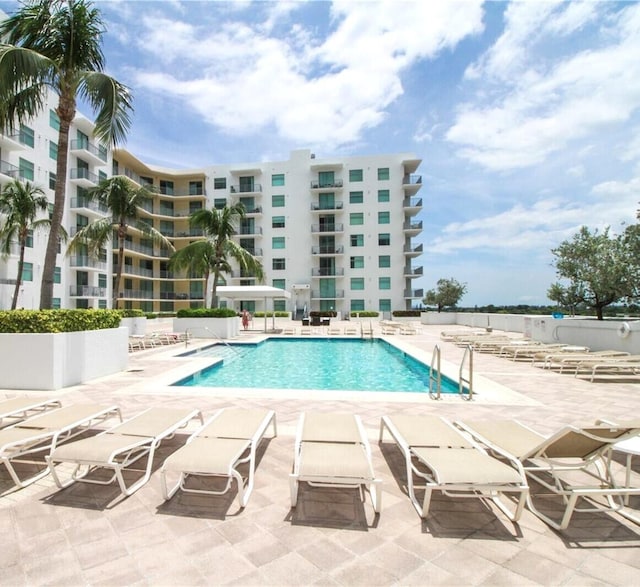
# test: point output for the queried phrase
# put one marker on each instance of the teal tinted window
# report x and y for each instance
(383, 195)
(384, 305)
(27, 272)
(357, 262)
(57, 275)
(357, 305)
(54, 120)
(279, 283)
(384, 217)
(383, 173)
(27, 136)
(277, 179)
(356, 218)
(53, 150)
(355, 175)
(384, 261)
(356, 197)
(384, 282)
(277, 201)
(384, 238)
(277, 242)
(357, 283)
(277, 222)
(357, 240)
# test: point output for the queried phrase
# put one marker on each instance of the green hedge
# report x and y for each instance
(324, 313)
(406, 313)
(207, 313)
(46, 321)
(270, 314)
(132, 313)
(365, 314)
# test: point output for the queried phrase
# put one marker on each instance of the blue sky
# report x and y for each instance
(526, 115)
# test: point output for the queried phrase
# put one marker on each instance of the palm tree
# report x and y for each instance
(56, 45)
(20, 204)
(123, 200)
(212, 254)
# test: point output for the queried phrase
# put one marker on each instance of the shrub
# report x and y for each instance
(151, 316)
(132, 313)
(270, 314)
(206, 313)
(406, 313)
(365, 314)
(51, 321)
(324, 313)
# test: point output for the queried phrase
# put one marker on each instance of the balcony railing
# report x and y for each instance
(87, 291)
(255, 251)
(86, 261)
(244, 189)
(322, 295)
(85, 145)
(412, 225)
(334, 227)
(412, 179)
(413, 293)
(9, 169)
(317, 207)
(83, 173)
(88, 205)
(322, 185)
(139, 271)
(249, 230)
(412, 203)
(327, 271)
(417, 249)
(327, 250)
(415, 271)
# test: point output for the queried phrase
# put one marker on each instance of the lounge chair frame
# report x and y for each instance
(418, 465)
(20, 443)
(20, 408)
(545, 461)
(350, 446)
(117, 449)
(237, 446)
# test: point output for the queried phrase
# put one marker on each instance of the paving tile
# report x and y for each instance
(538, 568)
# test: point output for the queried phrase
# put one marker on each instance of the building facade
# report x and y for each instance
(338, 233)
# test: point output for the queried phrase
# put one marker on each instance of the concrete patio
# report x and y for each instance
(70, 536)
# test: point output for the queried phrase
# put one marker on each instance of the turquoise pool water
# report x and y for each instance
(330, 364)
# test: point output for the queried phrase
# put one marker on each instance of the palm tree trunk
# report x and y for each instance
(66, 111)
(116, 283)
(16, 291)
(216, 273)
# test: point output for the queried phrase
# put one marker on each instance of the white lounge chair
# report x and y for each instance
(228, 439)
(619, 365)
(22, 442)
(119, 447)
(20, 408)
(449, 462)
(332, 450)
(548, 461)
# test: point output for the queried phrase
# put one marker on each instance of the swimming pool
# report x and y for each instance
(326, 364)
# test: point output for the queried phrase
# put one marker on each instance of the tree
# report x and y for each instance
(123, 200)
(56, 45)
(447, 294)
(20, 204)
(597, 268)
(212, 254)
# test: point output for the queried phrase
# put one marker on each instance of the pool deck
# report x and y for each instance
(71, 537)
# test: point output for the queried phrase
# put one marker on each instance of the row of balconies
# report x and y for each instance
(139, 294)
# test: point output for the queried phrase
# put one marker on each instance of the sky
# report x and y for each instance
(526, 115)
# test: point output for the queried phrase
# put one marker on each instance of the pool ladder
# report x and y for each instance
(435, 376)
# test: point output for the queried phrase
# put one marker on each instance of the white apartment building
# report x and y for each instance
(337, 233)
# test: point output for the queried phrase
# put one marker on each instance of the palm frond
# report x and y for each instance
(94, 236)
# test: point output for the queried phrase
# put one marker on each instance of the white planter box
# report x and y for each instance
(54, 361)
(208, 327)
(135, 325)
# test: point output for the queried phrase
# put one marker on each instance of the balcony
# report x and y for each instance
(86, 262)
(173, 193)
(336, 184)
(137, 271)
(411, 183)
(332, 228)
(145, 250)
(171, 295)
(337, 294)
(8, 172)
(253, 212)
(87, 291)
(136, 294)
(193, 232)
(412, 228)
(410, 251)
(11, 142)
(412, 294)
(327, 272)
(86, 150)
(88, 205)
(413, 272)
(83, 177)
(317, 207)
(255, 188)
(412, 205)
(250, 231)
(327, 250)
(255, 251)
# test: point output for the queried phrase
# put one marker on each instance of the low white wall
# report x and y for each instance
(54, 361)
(136, 325)
(208, 327)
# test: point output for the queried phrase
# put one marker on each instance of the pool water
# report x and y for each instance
(328, 364)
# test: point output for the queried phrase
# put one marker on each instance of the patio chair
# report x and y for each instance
(119, 447)
(332, 450)
(616, 365)
(227, 440)
(453, 464)
(21, 442)
(553, 462)
(350, 331)
(20, 408)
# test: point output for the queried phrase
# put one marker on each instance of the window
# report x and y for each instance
(102, 280)
(25, 169)
(219, 183)
(279, 305)
(57, 275)
(277, 179)
(166, 187)
(357, 263)
(277, 222)
(384, 261)
(384, 305)
(53, 150)
(326, 179)
(54, 120)
(29, 240)
(55, 303)
(384, 218)
(383, 173)
(50, 210)
(145, 181)
(27, 272)
(357, 283)
(357, 305)
(26, 136)
(219, 203)
(195, 188)
(194, 207)
(279, 283)
(278, 264)
(52, 180)
(101, 176)
(355, 175)
(356, 218)
(357, 240)
(277, 201)
(383, 195)
(384, 282)
(356, 198)
(384, 238)
(102, 305)
(277, 242)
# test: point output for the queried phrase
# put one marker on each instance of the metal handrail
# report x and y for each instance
(217, 336)
(466, 358)
(434, 373)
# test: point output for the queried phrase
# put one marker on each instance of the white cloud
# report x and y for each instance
(546, 107)
(325, 91)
